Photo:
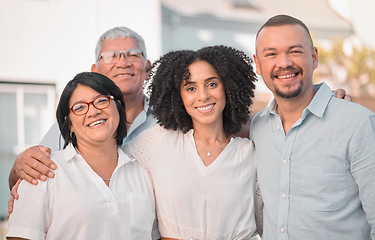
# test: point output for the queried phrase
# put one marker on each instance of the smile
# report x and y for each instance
(286, 76)
(96, 123)
(206, 108)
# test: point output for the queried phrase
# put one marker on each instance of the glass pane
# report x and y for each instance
(8, 139)
(35, 111)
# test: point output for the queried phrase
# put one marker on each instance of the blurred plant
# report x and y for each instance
(355, 69)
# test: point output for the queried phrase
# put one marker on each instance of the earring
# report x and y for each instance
(72, 135)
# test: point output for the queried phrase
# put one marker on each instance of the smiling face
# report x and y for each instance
(203, 94)
(286, 59)
(96, 126)
(128, 76)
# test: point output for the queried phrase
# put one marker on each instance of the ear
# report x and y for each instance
(257, 64)
(315, 57)
(148, 70)
(94, 68)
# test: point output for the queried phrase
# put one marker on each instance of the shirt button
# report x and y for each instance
(282, 230)
(284, 161)
(283, 196)
(278, 127)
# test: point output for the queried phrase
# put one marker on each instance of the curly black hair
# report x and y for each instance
(236, 72)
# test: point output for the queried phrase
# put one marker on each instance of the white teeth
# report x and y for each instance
(205, 108)
(96, 123)
(287, 76)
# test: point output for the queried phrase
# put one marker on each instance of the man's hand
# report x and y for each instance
(14, 195)
(341, 93)
(32, 164)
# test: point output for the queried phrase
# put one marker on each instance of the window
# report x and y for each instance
(27, 112)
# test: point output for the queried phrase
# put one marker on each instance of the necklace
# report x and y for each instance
(208, 151)
(106, 180)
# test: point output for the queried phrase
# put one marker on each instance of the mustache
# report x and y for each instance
(287, 69)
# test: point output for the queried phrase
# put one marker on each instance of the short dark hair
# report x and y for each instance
(281, 20)
(102, 85)
(235, 70)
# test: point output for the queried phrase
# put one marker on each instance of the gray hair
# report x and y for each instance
(119, 32)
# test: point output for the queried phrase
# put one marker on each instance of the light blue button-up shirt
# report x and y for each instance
(318, 180)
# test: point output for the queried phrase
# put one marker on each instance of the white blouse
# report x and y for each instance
(77, 204)
(192, 200)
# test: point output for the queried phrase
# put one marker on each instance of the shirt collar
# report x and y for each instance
(70, 153)
(317, 106)
(319, 103)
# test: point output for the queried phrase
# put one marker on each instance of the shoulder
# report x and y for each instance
(243, 144)
(349, 110)
(53, 138)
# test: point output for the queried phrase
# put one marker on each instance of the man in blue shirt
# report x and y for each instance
(316, 153)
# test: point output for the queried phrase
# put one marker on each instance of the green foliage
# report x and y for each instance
(359, 64)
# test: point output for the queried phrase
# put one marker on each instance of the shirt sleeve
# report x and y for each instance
(362, 155)
(30, 218)
(141, 147)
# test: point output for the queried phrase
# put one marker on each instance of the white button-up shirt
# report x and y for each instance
(77, 204)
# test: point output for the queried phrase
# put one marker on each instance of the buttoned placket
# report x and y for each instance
(286, 144)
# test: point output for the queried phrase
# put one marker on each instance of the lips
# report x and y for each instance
(125, 75)
(285, 73)
(286, 76)
(96, 123)
(206, 108)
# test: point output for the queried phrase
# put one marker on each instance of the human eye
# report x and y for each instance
(296, 51)
(212, 84)
(110, 56)
(270, 54)
(134, 54)
(79, 107)
(190, 88)
(101, 101)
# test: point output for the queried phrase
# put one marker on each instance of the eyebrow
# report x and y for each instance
(274, 49)
(89, 101)
(206, 80)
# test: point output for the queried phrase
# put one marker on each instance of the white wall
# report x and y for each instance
(52, 40)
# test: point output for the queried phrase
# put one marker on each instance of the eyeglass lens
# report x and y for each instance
(114, 56)
(99, 103)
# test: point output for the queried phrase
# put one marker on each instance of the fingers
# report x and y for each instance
(10, 205)
(340, 93)
(35, 163)
(14, 190)
(348, 98)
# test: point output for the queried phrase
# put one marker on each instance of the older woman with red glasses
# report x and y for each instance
(98, 192)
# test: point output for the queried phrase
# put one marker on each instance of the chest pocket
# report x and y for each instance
(142, 215)
(322, 188)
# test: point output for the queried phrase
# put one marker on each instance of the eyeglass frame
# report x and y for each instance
(110, 97)
(125, 52)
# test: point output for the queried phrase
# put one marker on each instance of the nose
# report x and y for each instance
(203, 94)
(284, 61)
(92, 110)
(123, 61)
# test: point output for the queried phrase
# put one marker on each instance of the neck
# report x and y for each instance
(210, 141)
(102, 157)
(290, 110)
(209, 134)
(133, 106)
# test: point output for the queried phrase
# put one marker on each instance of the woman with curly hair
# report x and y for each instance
(203, 176)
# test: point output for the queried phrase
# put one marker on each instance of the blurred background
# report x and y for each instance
(44, 43)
